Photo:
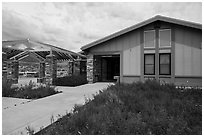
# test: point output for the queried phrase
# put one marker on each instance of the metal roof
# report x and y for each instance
(141, 24)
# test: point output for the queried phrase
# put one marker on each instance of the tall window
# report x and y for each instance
(165, 38)
(149, 39)
(165, 64)
(149, 64)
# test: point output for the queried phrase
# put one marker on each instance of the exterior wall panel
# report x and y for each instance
(196, 57)
(188, 52)
(188, 81)
(131, 61)
(121, 43)
(131, 79)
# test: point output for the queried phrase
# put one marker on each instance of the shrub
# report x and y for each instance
(71, 80)
(30, 91)
(138, 108)
(7, 90)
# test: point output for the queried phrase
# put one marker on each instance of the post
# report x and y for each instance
(70, 68)
(4, 66)
(41, 78)
(51, 68)
(76, 67)
(15, 71)
(90, 72)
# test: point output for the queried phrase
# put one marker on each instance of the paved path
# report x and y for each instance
(38, 113)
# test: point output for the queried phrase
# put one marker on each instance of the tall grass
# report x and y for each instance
(138, 108)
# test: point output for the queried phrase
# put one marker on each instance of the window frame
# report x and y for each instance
(153, 64)
(154, 38)
(165, 64)
(160, 39)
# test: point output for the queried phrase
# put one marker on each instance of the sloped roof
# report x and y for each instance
(141, 24)
(15, 47)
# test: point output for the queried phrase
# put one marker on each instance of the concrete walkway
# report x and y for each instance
(40, 113)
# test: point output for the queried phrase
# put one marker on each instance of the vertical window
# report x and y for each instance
(165, 38)
(149, 64)
(165, 64)
(149, 39)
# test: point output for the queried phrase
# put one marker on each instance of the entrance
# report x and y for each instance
(107, 66)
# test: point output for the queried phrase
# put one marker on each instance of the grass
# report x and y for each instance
(138, 108)
(71, 80)
(30, 91)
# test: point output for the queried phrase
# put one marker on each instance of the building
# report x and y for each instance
(38, 57)
(162, 48)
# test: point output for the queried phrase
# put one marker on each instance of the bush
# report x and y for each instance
(71, 80)
(7, 91)
(138, 108)
(30, 91)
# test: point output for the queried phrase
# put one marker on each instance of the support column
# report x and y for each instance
(70, 68)
(4, 66)
(172, 54)
(15, 71)
(98, 68)
(142, 55)
(51, 68)
(90, 64)
(157, 53)
(82, 67)
(76, 67)
(41, 78)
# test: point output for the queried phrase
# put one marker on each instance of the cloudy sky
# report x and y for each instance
(72, 25)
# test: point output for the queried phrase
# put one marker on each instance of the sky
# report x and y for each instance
(72, 25)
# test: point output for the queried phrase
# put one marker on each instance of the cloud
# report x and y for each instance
(72, 25)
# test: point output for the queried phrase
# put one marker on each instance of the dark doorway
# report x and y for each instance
(110, 67)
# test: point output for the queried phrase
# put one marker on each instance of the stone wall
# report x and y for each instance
(41, 78)
(4, 66)
(15, 71)
(70, 68)
(90, 65)
(50, 69)
(97, 68)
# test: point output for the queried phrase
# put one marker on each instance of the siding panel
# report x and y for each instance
(120, 43)
(131, 61)
(188, 53)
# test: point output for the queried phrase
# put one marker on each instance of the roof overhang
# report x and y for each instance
(141, 24)
(17, 47)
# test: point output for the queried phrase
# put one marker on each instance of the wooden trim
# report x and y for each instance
(106, 53)
(149, 51)
(131, 75)
(142, 54)
(121, 66)
(157, 53)
(165, 50)
(188, 76)
(172, 53)
(165, 76)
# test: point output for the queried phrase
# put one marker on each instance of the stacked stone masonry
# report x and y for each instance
(90, 65)
(15, 71)
(50, 69)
